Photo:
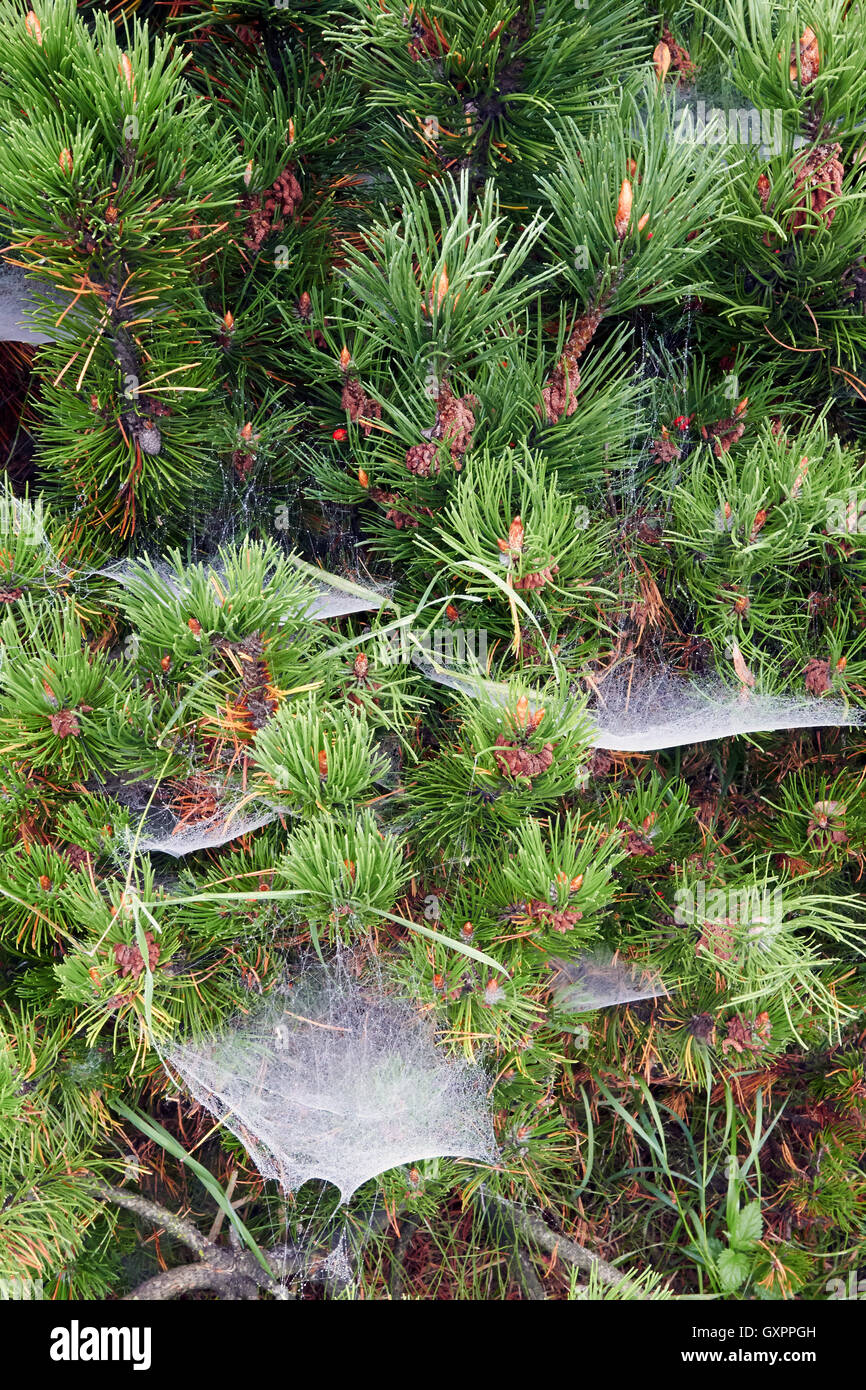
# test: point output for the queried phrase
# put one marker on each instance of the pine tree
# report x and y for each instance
(412, 383)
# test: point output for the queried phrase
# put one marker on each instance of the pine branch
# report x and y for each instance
(535, 1231)
(232, 1271)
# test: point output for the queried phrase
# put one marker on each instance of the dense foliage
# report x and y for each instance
(542, 328)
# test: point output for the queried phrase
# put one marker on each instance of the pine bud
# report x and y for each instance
(623, 210)
(248, 173)
(66, 161)
(801, 476)
(323, 764)
(661, 60)
(810, 58)
(124, 67)
(345, 359)
(362, 478)
(33, 27)
(742, 670)
(514, 544)
(442, 287)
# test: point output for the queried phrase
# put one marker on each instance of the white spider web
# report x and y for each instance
(333, 1079)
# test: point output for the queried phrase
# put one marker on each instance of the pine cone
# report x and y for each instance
(743, 1036)
(268, 210)
(680, 59)
(583, 332)
(664, 450)
(358, 405)
(521, 762)
(75, 855)
(421, 459)
(561, 921)
(455, 420)
(560, 393)
(64, 724)
(725, 433)
(242, 463)
(819, 174)
(827, 825)
(539, 578)
(286, 192)
(817, 675)
(130, 959)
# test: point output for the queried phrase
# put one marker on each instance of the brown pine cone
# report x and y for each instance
(359, 406)
(817, 675)
(421, 459)
(819, 174)
(521, 762)
(455, 420)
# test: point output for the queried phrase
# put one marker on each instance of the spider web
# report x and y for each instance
(598, 980)
(330, 1078)
(641, 708)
